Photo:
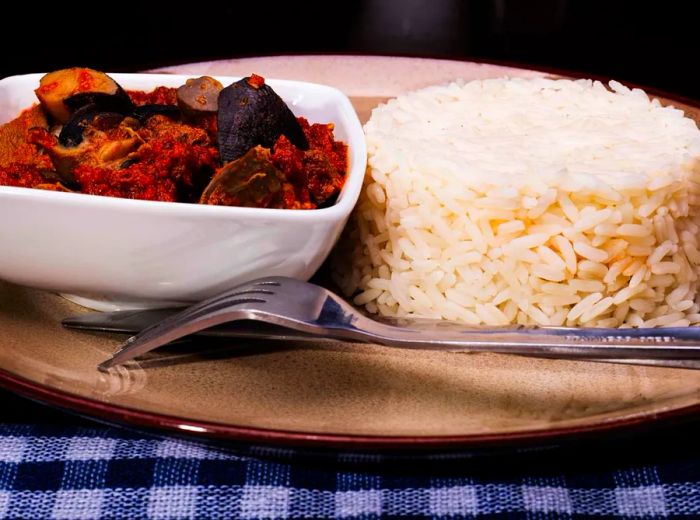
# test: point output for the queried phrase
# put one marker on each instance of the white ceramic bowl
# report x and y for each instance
(112, 253)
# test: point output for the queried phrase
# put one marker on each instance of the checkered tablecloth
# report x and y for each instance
(78, 472)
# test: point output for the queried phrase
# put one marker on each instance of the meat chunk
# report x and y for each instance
(14, 147)
(251, 181)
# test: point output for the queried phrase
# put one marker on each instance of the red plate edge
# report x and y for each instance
(209, 430)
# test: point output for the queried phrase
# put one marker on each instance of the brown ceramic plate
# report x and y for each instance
(351, 396)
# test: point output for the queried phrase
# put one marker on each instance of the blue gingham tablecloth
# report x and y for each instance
(55, 471)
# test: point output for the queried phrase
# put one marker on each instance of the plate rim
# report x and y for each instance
(206, 430)
(563, 72)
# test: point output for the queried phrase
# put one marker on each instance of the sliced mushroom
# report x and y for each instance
(199, 96)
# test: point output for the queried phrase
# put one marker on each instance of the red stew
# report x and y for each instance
(162, 159)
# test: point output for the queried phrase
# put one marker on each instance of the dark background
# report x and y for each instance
(654, 45)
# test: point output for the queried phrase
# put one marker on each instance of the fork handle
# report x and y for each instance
(534, 342)
(618, 344)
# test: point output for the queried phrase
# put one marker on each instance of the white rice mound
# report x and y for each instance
(529, 201)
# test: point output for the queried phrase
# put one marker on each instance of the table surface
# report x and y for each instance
(70, 467)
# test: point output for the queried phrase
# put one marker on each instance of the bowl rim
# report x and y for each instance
(357, 154)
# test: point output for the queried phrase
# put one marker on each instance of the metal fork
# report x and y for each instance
(311, 309)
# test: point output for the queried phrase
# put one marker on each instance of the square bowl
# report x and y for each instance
(111, 253)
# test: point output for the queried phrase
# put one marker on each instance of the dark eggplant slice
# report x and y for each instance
(252, 114)
(61, 92)
(199, 96)
(143, 112)
(119, 102)
(251, 181)
(129, 162)
(72, 132)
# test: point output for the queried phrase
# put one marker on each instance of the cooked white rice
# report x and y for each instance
(530, 201)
